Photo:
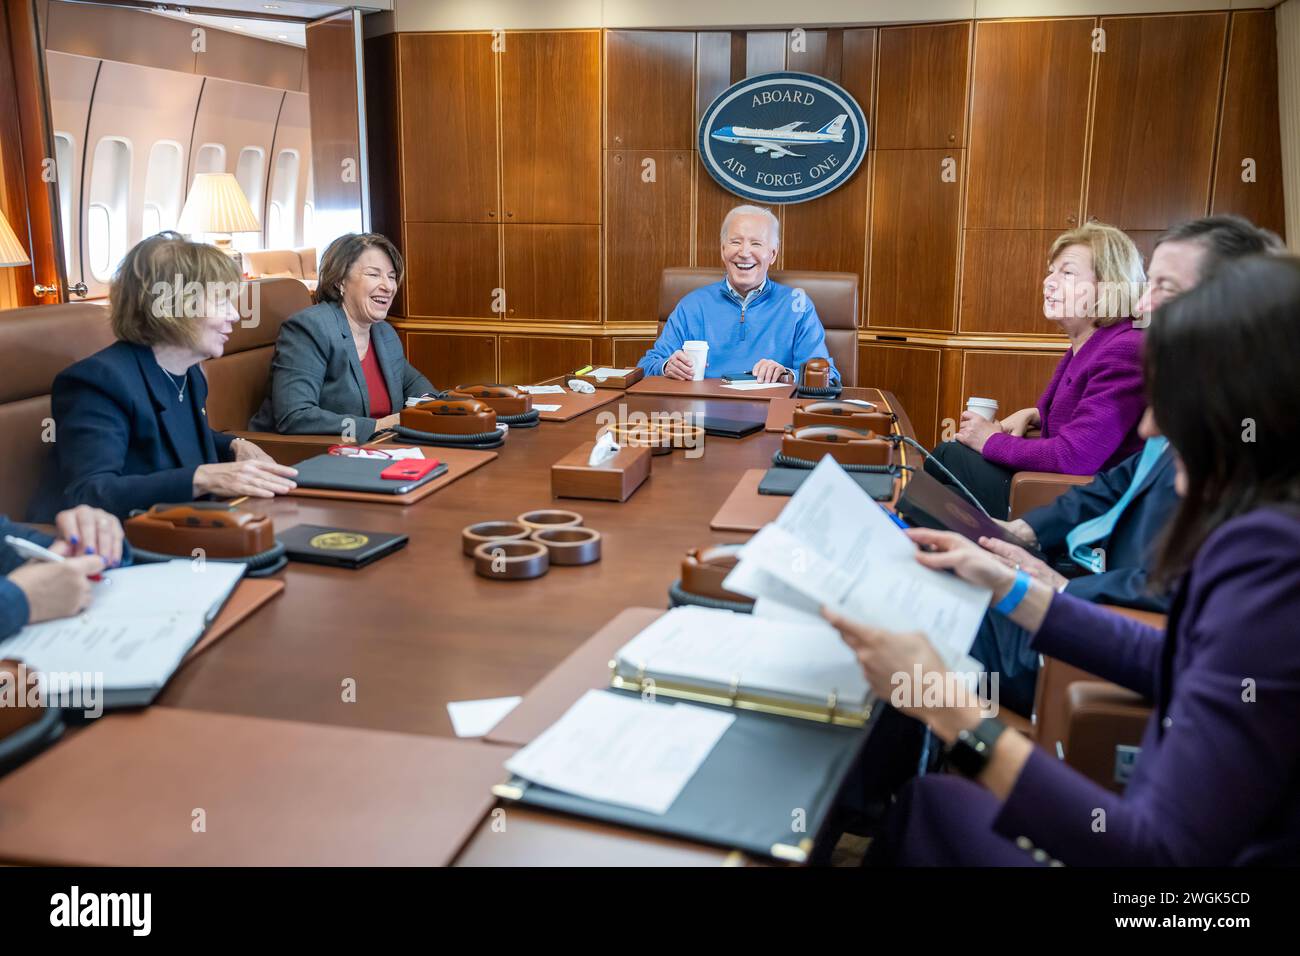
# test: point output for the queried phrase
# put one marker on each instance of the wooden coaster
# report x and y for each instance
(474, 535)
(511, 560)
(570, 546)
(549, 518)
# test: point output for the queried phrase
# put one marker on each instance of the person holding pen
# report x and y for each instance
(32, 591)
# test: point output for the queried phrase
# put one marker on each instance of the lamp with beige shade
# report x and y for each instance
(217, 205)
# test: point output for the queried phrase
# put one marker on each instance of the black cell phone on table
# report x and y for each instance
(739, 377)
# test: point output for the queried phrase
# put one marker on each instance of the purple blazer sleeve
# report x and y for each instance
(1112, 646)
(1092, 415)
(1217, 776)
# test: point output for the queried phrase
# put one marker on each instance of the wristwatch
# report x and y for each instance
(971, 751)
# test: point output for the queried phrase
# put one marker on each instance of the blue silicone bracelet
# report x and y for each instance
(1012, 599)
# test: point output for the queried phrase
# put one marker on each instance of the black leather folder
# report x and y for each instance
(746, 793)
(786, 481)
(342, 473)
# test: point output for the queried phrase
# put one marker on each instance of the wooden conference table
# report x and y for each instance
(419, 629)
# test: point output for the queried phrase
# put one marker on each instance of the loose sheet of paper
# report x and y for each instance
(474, 718)
(604, 372)
(141, 622)
(541, 389)
(754, 386)
(833, 545)
(622, 750)
(546, 408)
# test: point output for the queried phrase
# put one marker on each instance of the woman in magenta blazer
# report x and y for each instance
(1088, 416)
(1216, 780)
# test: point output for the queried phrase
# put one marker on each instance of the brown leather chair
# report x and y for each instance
(1033, 489)
(36, 344)
(1085, 719)
(237, 382)
(835, 295)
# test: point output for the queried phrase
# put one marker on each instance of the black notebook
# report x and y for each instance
(728, 427)
(927, 503)
(341, 473)
(786, 481)
(338, 547)
(745, 794)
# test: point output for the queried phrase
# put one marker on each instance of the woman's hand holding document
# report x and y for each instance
(834, 547)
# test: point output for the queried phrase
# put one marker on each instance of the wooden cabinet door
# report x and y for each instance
(448, 127)
(526, 359)
(451, 358)
(452, 270)
(647, 227)
(1153, 123)
(922, 97)
(914, 234)
(551, 273)
(550, 127)
(1015, 379)
(1248, 168)
(650, 87)
(1029, 116)
(912, 374)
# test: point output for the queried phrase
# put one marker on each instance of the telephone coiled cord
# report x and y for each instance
(483, 440)
(259, 565)
(679, 597)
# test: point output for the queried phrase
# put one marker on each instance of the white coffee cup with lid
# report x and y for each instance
(698, 352)
(986, 408)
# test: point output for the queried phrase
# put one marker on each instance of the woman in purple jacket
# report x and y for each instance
(1218, 777)
(1089, 414)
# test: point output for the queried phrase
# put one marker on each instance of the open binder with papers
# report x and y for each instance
(123, 649)
(772, 708)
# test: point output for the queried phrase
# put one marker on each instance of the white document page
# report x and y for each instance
(833, 545)
(604, 372)
(546, 408)
(541, 389)
(474, 718)
(754, 386)
(722, 648)
(622, 750)
(141, 622)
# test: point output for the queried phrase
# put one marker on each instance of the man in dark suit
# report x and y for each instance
(1104, 534)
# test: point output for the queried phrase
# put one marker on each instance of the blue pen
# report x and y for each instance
(894, 518)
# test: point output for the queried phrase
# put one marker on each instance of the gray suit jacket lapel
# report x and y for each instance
(392, 361)
(350, 350)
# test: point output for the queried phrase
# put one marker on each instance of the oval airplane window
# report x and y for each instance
(163, 180)
(211, 158)
(248, 173)
(106, 221)
(284, 190)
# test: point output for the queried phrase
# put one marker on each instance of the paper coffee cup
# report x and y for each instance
(698, 352)
(986, 408)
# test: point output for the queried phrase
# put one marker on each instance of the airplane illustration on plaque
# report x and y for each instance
(777, 141)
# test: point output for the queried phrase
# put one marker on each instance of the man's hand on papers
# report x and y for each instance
(892, 661)
(679, 366)
(769, 371)
(56, 590)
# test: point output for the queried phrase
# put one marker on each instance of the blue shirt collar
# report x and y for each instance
(744, 299)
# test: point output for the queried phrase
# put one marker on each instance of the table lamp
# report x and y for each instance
(12, 252)
(217, 205)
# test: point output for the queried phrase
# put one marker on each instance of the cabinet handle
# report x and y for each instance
(1069, 220)
(510, 215)
(492, 215)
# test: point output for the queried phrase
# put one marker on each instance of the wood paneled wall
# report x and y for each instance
(543, 187)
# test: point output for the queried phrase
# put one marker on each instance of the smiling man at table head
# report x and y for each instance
(750, 322)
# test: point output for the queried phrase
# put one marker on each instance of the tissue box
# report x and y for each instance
(614, 480)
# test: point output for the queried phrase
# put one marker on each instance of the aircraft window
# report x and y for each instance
(151, 221)
(110, 187)
(163, 181)
(63, 170)
(308, 237)
(248, 172)
(284, 190)
(211, 158)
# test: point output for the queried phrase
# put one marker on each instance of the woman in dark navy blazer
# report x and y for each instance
(1216, 781)
(130, 421)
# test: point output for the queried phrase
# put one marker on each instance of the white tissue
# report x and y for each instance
(578, 385)
(606, 448)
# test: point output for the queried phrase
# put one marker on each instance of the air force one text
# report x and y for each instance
(777, 141)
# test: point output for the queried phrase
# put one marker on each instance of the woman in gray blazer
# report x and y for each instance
(339, 368)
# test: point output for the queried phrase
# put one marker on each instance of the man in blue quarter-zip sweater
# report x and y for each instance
(751, 323)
